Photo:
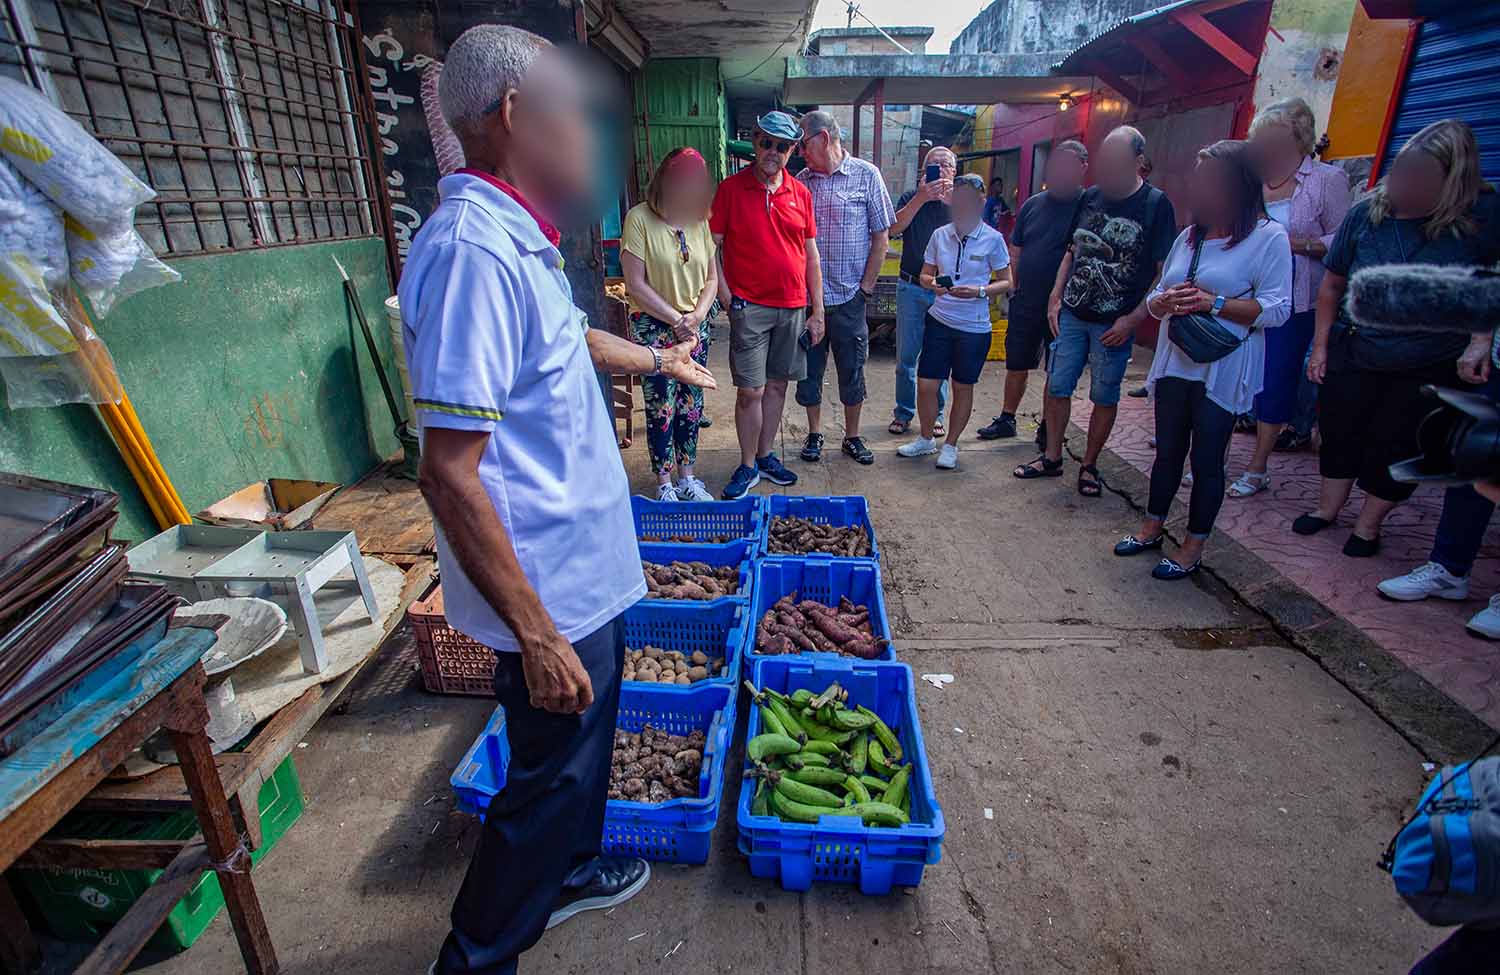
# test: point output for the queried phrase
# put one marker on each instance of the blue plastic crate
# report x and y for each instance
(838, 849)
(718, 628)
(740, 519)
(839, 511)
(741, 553)
(825, 580)
(676, 831)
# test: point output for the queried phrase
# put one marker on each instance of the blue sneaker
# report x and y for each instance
(775, 471)
(743, 479)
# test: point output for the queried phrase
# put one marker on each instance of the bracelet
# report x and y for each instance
(656, 359)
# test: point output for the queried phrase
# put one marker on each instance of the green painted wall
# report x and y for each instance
(252, 366)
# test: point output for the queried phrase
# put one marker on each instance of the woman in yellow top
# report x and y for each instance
(670, 272)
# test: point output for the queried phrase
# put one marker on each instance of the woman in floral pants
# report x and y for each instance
(670, 273)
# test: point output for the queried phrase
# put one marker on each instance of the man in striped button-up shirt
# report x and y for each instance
(854, 214)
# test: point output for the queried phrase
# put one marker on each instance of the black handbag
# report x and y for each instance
(1199, 334)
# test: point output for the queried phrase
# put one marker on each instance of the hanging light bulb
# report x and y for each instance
(1064, 102)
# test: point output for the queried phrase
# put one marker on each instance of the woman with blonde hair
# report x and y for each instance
(1432, 207)
(667, 255)
(1309, 199)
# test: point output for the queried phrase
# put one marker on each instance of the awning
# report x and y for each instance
(1175, 50)
(926, 79)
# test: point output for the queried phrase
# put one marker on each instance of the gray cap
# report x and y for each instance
(973, 181)
(779, 124)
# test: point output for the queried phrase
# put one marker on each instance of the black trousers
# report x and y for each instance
(544, 828)
(1189, 425)
(1369, 420)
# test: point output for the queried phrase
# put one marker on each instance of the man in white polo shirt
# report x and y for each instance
(535, 537)
(959, 267)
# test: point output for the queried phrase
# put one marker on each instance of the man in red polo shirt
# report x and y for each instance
(763, 224)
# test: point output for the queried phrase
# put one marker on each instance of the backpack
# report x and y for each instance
(1445, 861)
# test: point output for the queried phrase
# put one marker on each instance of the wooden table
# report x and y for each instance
(49, 775)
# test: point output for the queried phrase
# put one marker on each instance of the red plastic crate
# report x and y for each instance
(451, 662)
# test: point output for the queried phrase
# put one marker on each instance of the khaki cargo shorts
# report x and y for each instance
(763, 344)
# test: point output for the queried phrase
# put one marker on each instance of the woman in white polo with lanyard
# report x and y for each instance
(959, 267)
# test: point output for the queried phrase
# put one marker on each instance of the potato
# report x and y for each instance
(684, 679)
(699, 658)
(652, 652)
(696, 674)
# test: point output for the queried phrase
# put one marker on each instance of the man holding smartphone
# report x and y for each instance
(764, 227)
(853, 212)
(918, 213)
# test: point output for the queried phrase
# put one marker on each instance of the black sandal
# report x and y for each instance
(1049, 468)
(1092, 487)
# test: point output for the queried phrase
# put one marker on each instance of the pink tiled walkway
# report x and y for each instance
(1428, 636)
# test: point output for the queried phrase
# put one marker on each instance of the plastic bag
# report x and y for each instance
(109, 267)
(84, 374)
(32, 226)
(66, 163)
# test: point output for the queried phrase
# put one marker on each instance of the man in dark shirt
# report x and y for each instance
(1037, 246)
(1125, 227)
(918, 213)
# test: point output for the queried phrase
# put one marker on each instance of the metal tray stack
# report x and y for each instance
(65, 605)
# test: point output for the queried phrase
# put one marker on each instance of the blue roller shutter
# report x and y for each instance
(1454, 73)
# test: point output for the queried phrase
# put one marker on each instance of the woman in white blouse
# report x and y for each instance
(1244, 280)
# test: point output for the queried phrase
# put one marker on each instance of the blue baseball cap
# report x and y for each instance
(780, 125)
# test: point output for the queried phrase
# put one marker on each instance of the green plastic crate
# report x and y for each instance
(82, 905)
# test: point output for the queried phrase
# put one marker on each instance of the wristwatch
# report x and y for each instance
(1219, 303)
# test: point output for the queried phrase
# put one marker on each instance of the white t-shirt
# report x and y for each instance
(969, 261)
(1259, 267)
(495, 343)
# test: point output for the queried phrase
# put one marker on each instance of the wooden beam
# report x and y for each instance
(86, 854)
(1148, 45)
(19, 952)
(1227, 47)
(869, 91)
(126, 939)
(1112, 78)
(879, 118)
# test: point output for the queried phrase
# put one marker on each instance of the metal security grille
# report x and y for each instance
(246, 116)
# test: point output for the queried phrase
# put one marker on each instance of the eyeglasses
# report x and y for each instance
(779, 146)
(682, 246)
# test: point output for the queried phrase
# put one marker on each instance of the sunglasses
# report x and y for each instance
(682, 246)
(779, 146)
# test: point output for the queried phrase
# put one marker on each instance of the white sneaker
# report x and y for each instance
(948, 458)
(920, 447)
(1486, 622)
(666, 492)
(1429, 579)
(692, 489)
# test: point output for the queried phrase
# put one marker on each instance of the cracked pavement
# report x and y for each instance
(1174, 788)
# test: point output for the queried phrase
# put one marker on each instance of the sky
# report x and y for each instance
(946, 17)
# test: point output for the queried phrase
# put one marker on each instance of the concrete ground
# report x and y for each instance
(1173, 788)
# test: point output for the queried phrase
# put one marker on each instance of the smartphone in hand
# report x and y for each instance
(934, 173)
(944, 281)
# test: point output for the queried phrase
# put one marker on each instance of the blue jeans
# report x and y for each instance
(912, 303)
(1079, 344)
(1466, 515)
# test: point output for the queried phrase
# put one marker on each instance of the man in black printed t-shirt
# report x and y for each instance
(1122, 233)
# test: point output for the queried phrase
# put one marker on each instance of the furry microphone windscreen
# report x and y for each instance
(1425, 297)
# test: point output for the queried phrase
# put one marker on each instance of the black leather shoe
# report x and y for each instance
(614, 881)
(999, 428)
(1361, 548)
(1309, 524)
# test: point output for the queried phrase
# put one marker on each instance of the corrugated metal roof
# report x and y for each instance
(1145, 17)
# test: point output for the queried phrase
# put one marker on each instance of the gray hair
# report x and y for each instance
(1078, 149)
(1137, 141)
(1297, 116)
(482, 65)
(814, 123)
(940, 150)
